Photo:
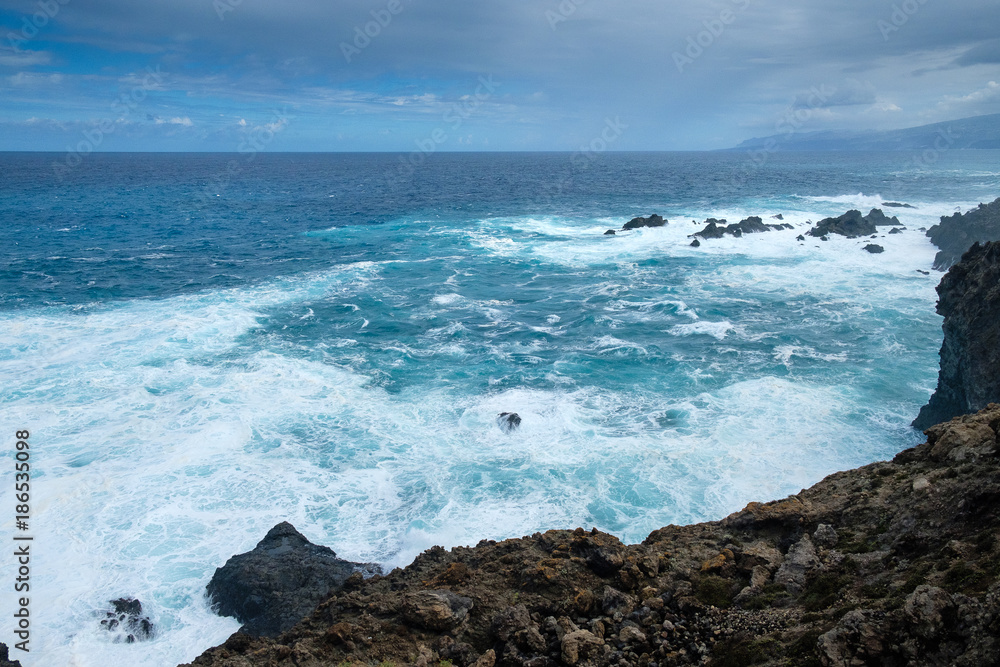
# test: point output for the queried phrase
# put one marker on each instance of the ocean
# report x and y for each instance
(205, 345)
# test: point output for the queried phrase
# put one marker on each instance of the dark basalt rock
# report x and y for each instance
(714, 229)
(970, 355)
(778, 217)
(508, 421)
(956, 234)
(896, 230)
(610, 232)
(874, 249)
(696, 243)
(852, 224)
(281, 581)
(652, 221)
(800, 238)
(127, 622)
(5, 660)
(896, 204)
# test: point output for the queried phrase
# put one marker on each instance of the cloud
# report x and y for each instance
(19, 59)
(981, 101)
(850, 93)
(987, 53)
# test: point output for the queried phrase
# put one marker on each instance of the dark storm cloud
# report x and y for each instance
(684, 75)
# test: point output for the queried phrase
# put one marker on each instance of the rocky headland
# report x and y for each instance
(970, 355)
(894, 563)
(956, 234)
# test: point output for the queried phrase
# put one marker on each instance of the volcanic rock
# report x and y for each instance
(970, 355)
(852, 224)
(714, 229)
(508, 421)
(652, 221)
(874, 248)
(272, 587)
(126, 621)
(896, 204)
(956, 234)
(5, 660)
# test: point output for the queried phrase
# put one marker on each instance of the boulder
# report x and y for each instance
(126, 622)
(954, 235)
(896, 204)
(896, 230)
(652, 221)
(436, 610)
(279, 582)
(610, 232)
(874, 249)
(969, 379)
(696, 243)
(508, 421)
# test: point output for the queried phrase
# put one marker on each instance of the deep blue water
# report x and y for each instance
(205, 345)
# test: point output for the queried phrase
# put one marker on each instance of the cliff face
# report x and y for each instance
(956, 234)
(970, 356)
(894, 563)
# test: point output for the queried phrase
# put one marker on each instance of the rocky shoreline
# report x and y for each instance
(894, 563)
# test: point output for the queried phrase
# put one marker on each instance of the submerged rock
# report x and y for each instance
(610, 232)
(956, 234)
(126, 621)
(696, 243)
(273, 587)
(970, 355)
(652, 221)
(874, 248)
(896, 230)
(896, 204)
(508, 421)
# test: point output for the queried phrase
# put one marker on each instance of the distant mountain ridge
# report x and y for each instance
(980, 132)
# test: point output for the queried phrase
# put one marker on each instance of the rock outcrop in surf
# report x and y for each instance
(508, 421)
(652, 221)
(852, 224)
(970, 355)
(126, 622)
(716, 229)
(272, 587)
(955, 234)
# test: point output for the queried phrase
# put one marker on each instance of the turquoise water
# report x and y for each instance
(202, 351)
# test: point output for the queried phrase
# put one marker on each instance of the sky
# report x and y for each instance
(456, 75)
